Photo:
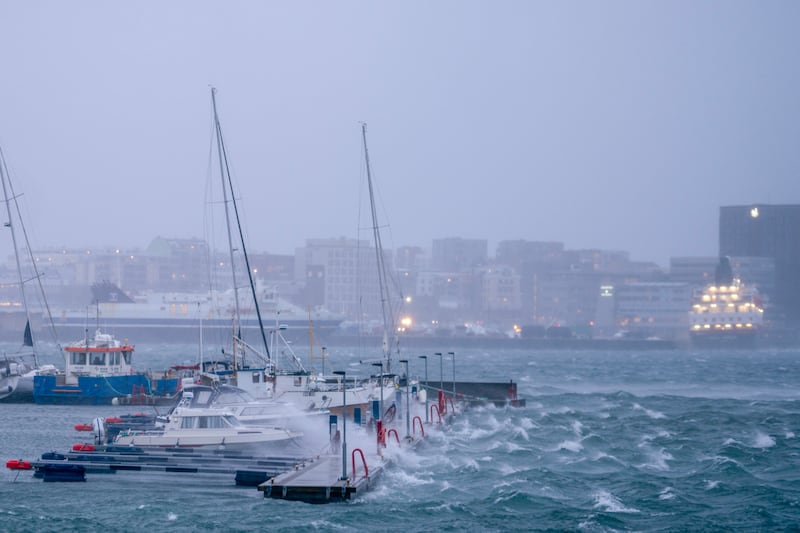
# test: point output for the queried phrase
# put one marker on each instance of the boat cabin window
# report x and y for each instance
(78, 358)
(98, 358)
(113, 358)
(127, 355)
(256, 377)
(202, 397)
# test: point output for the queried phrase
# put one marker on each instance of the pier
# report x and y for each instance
(320, 480)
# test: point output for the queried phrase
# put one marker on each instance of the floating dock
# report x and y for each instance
(244, 470)
(320, 480)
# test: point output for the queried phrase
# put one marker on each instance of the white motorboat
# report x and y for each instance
(251, 411)
(205, 427)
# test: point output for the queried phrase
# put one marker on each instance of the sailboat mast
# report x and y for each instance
(386, 308)
(227, 185)
(10, 224)
(223, 163)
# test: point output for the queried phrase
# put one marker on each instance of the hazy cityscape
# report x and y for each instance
(456, 286)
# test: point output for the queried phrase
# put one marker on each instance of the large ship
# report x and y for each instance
(727, 313)
(180, 317)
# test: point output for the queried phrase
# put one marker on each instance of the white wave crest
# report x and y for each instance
(171, 517)
(649, 412)
(763, 441)
(608, 502)
(711, 484)
(569, 445)
(666, 494)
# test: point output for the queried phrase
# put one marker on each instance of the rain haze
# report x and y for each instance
(612, 125)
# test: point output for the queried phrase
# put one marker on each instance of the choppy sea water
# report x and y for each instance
(608, 441)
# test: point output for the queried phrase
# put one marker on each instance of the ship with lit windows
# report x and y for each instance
(727, 313)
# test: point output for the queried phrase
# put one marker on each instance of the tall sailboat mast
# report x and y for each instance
(386, 304)
(227, 185)
(10, 224)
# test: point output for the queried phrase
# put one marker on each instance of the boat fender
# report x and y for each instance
(99, 428)
(18, 464)
(83, 427)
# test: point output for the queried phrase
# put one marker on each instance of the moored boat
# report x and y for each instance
(98, 370)
(207, 427)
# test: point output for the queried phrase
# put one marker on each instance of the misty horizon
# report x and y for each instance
(618, 126)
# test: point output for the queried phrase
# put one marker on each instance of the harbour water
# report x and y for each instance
(609, 441)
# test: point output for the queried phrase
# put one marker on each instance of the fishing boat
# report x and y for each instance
(99, 370)
(18, 368)
(188, 426)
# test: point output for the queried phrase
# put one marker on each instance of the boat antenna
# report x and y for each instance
(227, 184)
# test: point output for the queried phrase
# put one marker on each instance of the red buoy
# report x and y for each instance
(83, 427)
(82, 447)
(114, 420)
(18, 464)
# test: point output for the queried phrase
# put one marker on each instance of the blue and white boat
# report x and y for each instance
(99, 371)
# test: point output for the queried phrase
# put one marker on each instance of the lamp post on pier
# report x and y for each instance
(344, 422)
(408, 401)
(380, 384)
(425, 357)
(453, 355)
(441, 372)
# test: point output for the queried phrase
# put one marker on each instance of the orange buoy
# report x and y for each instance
(114, 420)
(18, 464)
(83, 427)
(82, 447)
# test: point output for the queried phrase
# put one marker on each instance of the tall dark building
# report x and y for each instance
(771, 231)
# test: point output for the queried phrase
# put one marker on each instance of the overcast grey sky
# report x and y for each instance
(615, 125)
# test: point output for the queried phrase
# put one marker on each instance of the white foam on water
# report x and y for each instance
(171, 517)
(789, 434)
(406, 479)
(658, 460)
(763, 441)
(606, 501)
(666, 494)
(711, 484)
(528, 423)
(569, 445)
(520, 432)
(577, 427)
(656, 415)
(507, 470)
